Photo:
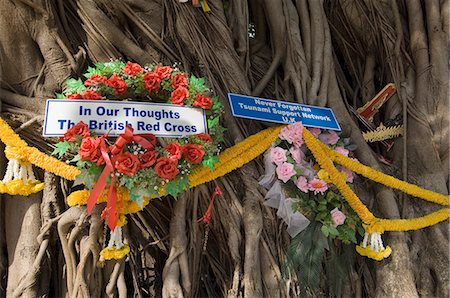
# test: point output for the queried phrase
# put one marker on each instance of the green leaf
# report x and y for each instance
(304, 258)
(61, 148)
(213, 122)
(74, 86)
(333, 231)
(197, 84)
(174, 187)
(325, 230)
(60, 96)
(92, 71)
(210, 161)
(85, 178)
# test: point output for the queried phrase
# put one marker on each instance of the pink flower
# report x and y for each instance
(317, 186)
(296, 154)
(285, 171)
(341, 150)
(337, 217)
(329, 138)
(302, 184)
(293, 134)
(315, 131)
(278, 155)
(349, 175)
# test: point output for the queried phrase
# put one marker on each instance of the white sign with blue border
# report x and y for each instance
(282, 112)
(103, 116)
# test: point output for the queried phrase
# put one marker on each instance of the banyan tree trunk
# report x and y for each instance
(324, 53)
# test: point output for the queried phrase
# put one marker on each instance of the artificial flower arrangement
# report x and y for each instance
(140, 163)
(308, 202)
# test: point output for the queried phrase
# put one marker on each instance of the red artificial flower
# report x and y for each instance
(91, 94)
(193, 153)
(166, 168)
(74, 96)
(148, 159)
(79, 129)
(203, 101)
(132, 69)
(151, 82)
(179, 95)
(90, 150)
(126, 163)
(95, 80)
(163, 71)
(179, 80)
(204, 137)
(174, 150)
(119, 85)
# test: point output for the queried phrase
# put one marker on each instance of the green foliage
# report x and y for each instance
(304, 258)
(210, 161)
(212, 122)
(74, 86)
(61, 148)
(88, 175)
(109, 68)
(92, 71)
(176, 186)
(197, 85)
(337, 267)
(60, 96)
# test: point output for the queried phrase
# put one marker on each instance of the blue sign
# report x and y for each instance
(282, 112)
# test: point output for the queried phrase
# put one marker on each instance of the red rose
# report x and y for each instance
(126, 163)
(132, 69)
(166, 168)
(151, 82)
(74, 96)
(193, 153)
(179, 95)
(95, 80)
(163, 71)
(79, 129)
(203, 101)
(119, 85)
(179, 80)
(91, 94)
(204, 137)
(148, 159)
(174, 150)
(90, 149)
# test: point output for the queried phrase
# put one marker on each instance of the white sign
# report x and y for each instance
(103, 116)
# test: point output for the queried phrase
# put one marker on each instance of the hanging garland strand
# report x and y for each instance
(242, 153)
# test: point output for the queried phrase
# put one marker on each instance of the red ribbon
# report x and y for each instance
(111, 206)
(207, 216)
(128, 137)
(100, 185)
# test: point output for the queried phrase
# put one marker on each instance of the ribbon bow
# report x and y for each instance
(128, 137)
(111, 206)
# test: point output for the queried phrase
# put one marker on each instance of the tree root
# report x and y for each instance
(177, 260)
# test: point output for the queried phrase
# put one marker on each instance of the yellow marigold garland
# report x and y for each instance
(337, 179)
(19, 187)
(42, 160)
(9, 137)
(114, 253)
(236, 156)
(79, 198)
(387, 180)
(377, 256)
